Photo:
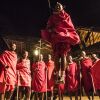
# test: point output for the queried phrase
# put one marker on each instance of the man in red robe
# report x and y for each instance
(24, 76)
(61, 33)
(50, 76)
(95, 71)
(86, 64)
(8, 61)
(71, 79)
(39, 81)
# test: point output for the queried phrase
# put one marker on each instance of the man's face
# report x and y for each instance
(41, 57)
(49, 57)
(25, 54)
(13, 47)
(83, 53)
(58, 7)
(94, 55)
(70, 58)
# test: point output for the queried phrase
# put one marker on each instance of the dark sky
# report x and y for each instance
(29, 17)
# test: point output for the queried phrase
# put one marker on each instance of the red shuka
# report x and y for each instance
(24, 73)
(95, 71)
(86, 64)
(39, 82)
(71, 79)
(8, 76)
(50, 75)
(60, 30)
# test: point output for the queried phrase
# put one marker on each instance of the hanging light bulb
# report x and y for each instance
(36, 52)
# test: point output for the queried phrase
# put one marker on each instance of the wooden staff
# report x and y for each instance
(94, 90)
(40, 46)
(80, 79)
(60, 93)
(46, 82)
(49, 4)
(17, 86)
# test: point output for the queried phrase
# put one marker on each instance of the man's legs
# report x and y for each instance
(27, 92)
(24, 90)
(57, 67)
(32, 94)
(6, 91)
(76, 95)
(2, 95)
(88, 95)
(98, 93)
(63, 66)
(8, 95)
(2, 91)
(9, 91)
(20, 93)
(70, 95)
(36, 96)
(60, 65)
(60, 94)
(41, 96)
(92, 95)
(49, 95)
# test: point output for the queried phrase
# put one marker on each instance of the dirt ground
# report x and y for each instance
(83, 98)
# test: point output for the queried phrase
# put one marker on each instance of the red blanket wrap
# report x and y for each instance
(8, 75)
(71, 79)
(24, 73)
(39, 83)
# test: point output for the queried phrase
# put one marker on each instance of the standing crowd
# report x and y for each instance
(38, 79)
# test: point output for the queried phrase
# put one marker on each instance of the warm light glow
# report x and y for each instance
(36, 52)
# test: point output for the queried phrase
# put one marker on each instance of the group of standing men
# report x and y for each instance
(40, 78)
